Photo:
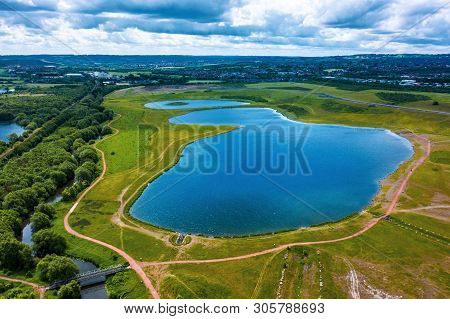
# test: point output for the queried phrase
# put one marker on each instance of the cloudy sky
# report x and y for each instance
(224, 27)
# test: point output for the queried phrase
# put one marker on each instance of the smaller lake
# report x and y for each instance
(7, 128)
(192, 104)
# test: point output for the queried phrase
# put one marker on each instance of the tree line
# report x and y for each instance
(62, 154)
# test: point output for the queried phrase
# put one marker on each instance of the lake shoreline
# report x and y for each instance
(366, 207)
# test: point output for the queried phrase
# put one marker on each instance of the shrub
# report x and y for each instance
(53, 267)
(71, 290)
(47, 242)
(40, 221)
(401, 97)
(46, 209)
(106, 130)
(14, 255)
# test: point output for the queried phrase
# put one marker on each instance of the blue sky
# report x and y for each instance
(224, 27)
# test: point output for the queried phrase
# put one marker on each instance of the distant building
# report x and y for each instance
(99, 75)
(408, 82)
(73, 75)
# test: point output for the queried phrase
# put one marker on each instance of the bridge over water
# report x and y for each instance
(90, 277)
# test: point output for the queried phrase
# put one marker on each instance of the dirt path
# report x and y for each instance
(133, 263)
(370, 225)
(39, 290)
(354, 281)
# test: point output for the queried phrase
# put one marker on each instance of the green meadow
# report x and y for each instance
(392, 259)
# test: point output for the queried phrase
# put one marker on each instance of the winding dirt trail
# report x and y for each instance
(354, 281)
(370, 225)
(39, 290)
(133, 263)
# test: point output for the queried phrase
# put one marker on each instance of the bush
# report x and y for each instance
(69, 193)
(20, 293)
(401, 97)
(52, 268)
(10, 222)
(40, 221)
(46, 209)
(47, 242)
(106, 130)
(14, 255)
(245, 97)
(5, 286)
(338, 107)
(297, 110)
(88, 154)
(71, 290)
(440, 157)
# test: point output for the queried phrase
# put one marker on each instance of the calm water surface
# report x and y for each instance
(193, 104)
(96, 288)
(243, 195)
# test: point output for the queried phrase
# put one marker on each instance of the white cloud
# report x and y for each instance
(297, 27)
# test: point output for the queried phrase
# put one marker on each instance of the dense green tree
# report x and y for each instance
(5, 286)
(106, 130)
(32, 126)
(5, 116)
(10, 222)
(14, 255)
(20, 293)
(40, 221)
(68, 168)
(83, 123)
(58, 176)
(88, 154)
(82, 174)
(71, 290)
(47, 209)
(89, 133)
(54, 267)
(47, 241)
(41, 190)
(79, 142)
(22, 200)
(69, 193)
(13, 137)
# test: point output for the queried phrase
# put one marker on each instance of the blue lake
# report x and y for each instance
(193, 104)
(269, 175)
(7, 128)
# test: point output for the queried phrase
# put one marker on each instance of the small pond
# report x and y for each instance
(193, 104)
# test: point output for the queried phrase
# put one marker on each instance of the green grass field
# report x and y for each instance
(389, 260)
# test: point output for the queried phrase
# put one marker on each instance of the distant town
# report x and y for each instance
(425, 72)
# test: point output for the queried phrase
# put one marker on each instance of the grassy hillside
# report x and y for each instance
(389, 260)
